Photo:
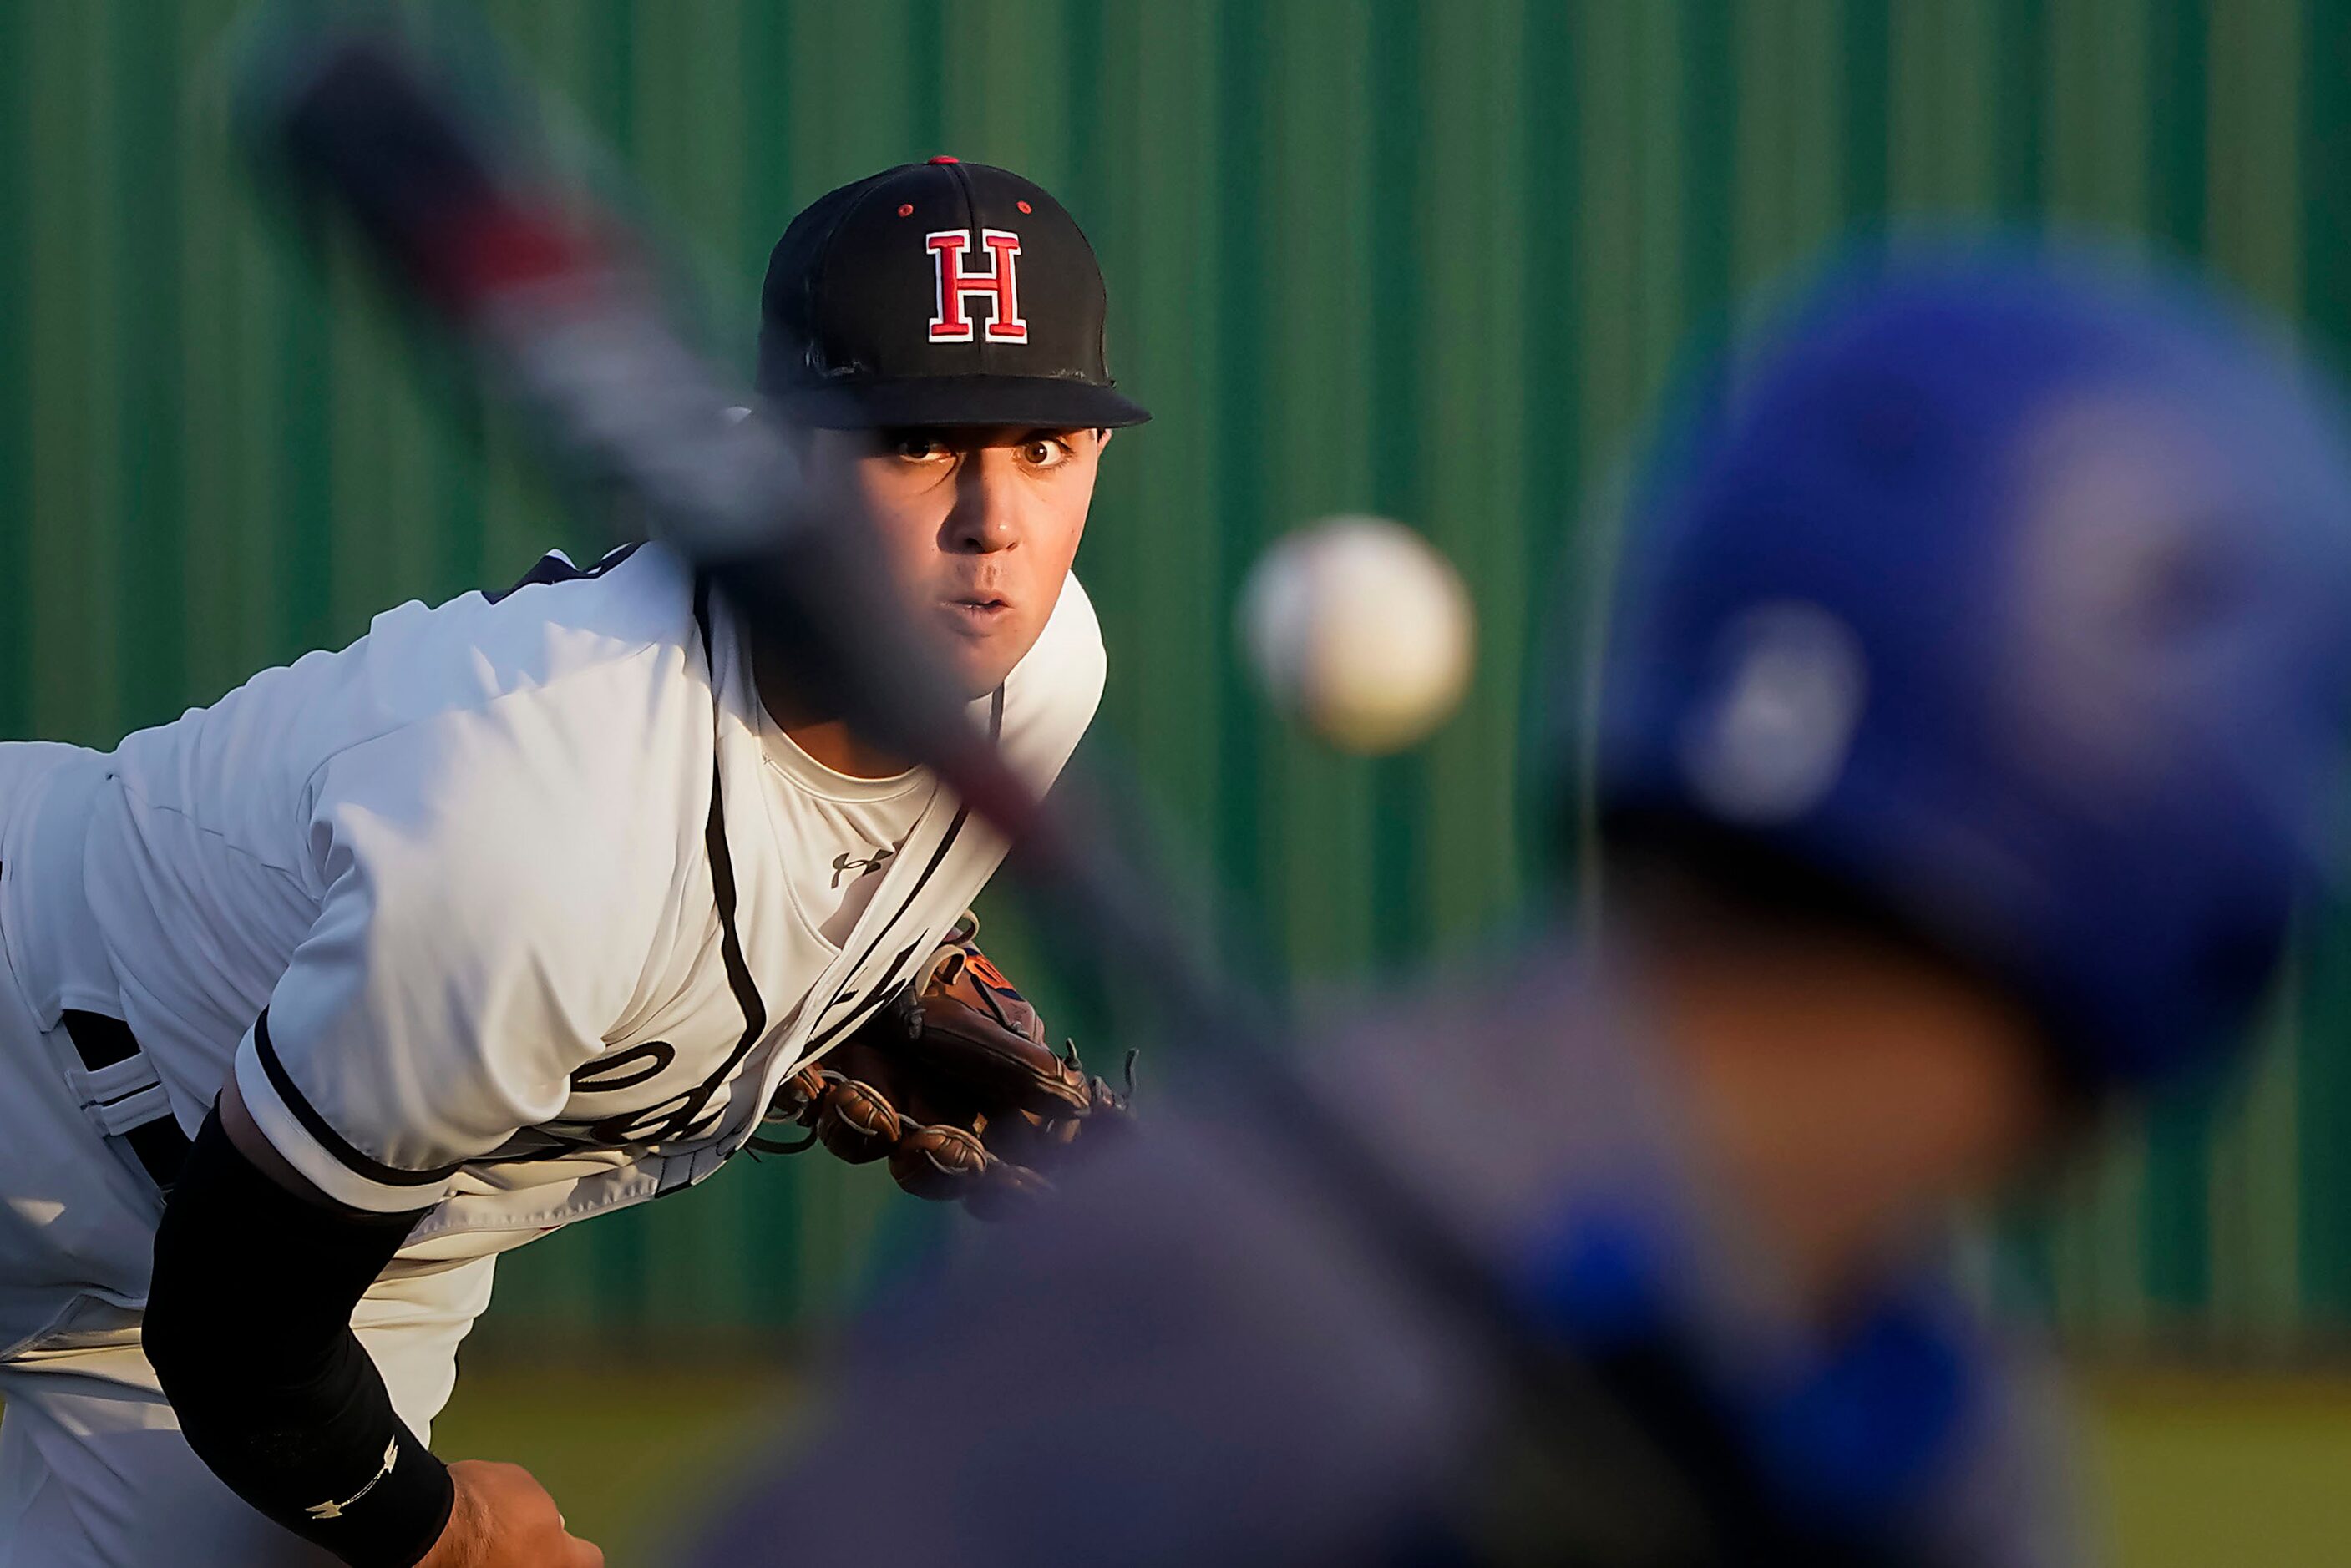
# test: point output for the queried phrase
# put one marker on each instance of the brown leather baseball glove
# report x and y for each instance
(953, 1083)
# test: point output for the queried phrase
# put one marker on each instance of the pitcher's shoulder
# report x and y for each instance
(560, 618)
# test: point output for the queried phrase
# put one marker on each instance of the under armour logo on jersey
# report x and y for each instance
(1000, 284)
(336, 1510)
(845, 862)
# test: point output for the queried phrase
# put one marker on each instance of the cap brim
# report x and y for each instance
(1036, 401)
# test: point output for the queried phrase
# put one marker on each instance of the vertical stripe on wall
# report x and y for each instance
(16, 491)
(2322, 196)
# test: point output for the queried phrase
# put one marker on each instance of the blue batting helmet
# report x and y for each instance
(2016, 599)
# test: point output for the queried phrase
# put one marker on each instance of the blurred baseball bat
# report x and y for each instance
(561, 309)
(567, 324)
(556, 307)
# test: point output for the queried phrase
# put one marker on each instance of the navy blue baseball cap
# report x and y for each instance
(2014, 595)
(935, 293)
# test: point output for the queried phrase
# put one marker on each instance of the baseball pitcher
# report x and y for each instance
(522, 909)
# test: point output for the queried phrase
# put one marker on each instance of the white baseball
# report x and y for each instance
(1361, 631)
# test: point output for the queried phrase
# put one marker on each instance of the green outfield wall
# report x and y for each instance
(1430, 259)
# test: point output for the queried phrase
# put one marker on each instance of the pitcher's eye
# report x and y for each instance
(917, 446)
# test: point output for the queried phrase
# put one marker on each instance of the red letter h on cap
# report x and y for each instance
(1000, 283)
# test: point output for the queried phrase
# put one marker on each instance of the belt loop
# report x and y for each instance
(123, 1096)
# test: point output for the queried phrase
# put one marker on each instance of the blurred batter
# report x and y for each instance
(1968, 727)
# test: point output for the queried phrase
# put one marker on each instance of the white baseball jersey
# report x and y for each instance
(517, 908)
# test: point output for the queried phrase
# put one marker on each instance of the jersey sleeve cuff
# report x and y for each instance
(295, 1129)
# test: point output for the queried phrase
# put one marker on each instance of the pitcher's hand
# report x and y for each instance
(504, 1519)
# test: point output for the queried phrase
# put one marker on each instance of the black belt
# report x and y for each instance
(103, 1042)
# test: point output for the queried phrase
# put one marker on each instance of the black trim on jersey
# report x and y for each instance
(624, 1069)
(722, 893)
(875, 999)
(555, 567)
(881, 991)
(324, 1133)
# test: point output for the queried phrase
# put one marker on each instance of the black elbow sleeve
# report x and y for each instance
(248, 1328)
